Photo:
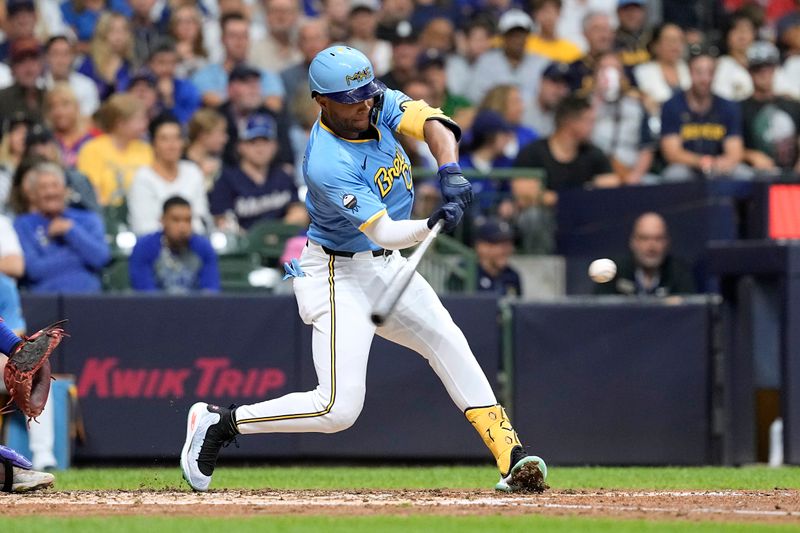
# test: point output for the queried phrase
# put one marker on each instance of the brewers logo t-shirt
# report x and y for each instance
(250, 201)
(701, 133)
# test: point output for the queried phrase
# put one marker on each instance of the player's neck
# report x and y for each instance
(339, 133)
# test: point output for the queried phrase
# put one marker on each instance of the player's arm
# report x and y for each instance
(419, 120)
(400, 234)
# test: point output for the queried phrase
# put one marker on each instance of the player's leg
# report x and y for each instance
(330, 299)
(421, 323)
(16, 474)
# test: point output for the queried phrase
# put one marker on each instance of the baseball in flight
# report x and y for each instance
(602, 270)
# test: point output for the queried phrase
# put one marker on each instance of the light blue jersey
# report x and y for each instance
(351, 183)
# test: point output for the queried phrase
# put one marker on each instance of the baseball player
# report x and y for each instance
(360, 195)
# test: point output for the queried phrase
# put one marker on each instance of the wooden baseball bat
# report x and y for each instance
(383, 308)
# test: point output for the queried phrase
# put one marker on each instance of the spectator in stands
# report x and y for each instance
(539, 114)
(12, 267)
(278, 49)
(567, 156)
(144, 30)
(788, 32)
(24, 95)
(771, 123)
(256, 189)
(40, 143)
(12, 146)
(547, 41)
(405, 51)
(431, 67)
(64, 248)
(208, 135)
(111, 159)
(83, 16)
(438, 34)
(600, 36)
(701, 133)
(19, 24)
(732, 80)
(394, 19)
(70, 128)
(494, 245)
(335, 14)
(460, 67)
(363, 24)
(568, 161)
(632, 37)
(175, 259)
(489, 139)
(186, 29)
(167, 176)
(212, 80)
(509, 64)
(649, 270)
(573, 15)
(142, 87)
(108, 63)
(244, 92)
(312, 39)
(59, 62)
(175, 95)
(506, 100)
(667, 72)
(622, 129)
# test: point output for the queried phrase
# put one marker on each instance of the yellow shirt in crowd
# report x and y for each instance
(560, 50)
(110, 169)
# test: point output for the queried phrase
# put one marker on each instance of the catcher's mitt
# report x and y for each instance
(27, 374)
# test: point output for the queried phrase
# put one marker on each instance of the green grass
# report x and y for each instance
(459, 477)
(373, 524)
(396, 477)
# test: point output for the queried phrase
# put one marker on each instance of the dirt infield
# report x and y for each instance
(781, 506)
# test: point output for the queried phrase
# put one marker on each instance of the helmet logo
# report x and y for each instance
(358, 76)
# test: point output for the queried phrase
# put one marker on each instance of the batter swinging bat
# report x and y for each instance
(393, 293)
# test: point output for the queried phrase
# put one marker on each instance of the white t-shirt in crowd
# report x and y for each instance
(149, 191)
(650, 80)
(9, 242)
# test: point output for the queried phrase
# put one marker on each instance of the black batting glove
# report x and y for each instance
(451, 213)
(455, 187)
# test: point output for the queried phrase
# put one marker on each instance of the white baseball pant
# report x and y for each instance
(336, 296)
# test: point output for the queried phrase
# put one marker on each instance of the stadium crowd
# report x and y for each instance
(176, 119)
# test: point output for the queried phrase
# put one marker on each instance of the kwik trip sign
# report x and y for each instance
(206, 377)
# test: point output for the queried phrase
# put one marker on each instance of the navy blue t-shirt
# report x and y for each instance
(701, 133)
(250, 201)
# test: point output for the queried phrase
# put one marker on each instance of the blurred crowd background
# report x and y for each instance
(158, 144)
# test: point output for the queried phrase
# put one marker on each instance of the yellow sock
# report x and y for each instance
(495, 429)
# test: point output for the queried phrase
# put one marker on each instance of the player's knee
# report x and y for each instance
(345, 410)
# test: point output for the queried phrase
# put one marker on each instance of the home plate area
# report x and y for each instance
(778, 506)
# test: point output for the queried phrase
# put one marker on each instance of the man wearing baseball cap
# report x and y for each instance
(24, 95)
(509, 64)
(540, 114)
(20, 24)
(771, 122)
(256, 189)
(632, 35)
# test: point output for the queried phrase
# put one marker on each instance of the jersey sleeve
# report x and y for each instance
(733, 120)
(342, 190)
(404, 115)
(670, 118)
